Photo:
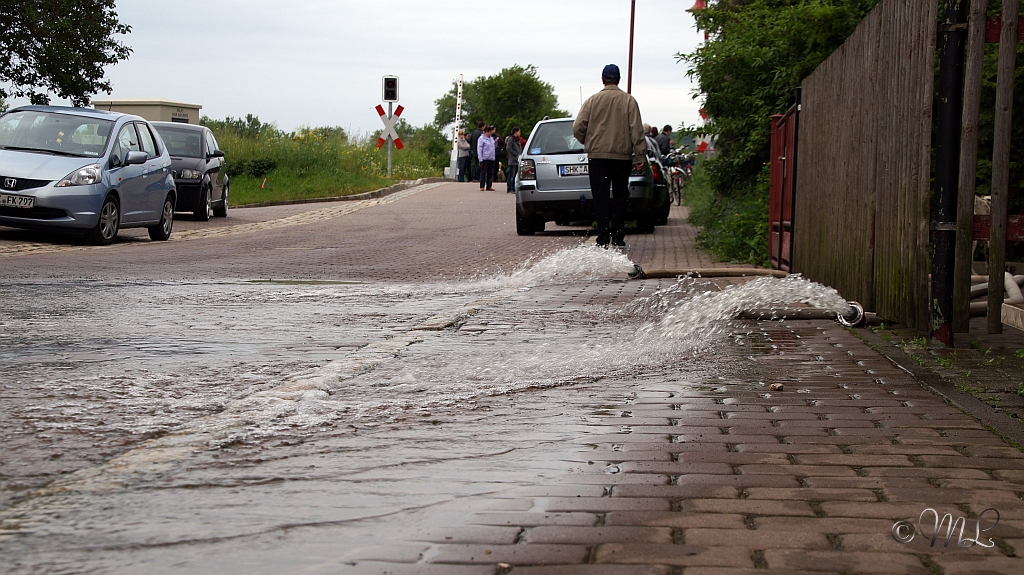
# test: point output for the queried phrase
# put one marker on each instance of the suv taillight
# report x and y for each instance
(527, 170)
(657, 171)
(637, 171)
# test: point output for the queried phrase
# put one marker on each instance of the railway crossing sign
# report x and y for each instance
(389, 127)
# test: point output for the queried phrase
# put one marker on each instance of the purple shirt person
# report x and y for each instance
(485, 148)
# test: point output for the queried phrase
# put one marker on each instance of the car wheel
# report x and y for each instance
(221, 211)
(645, 223)
(162, 231)
(110, 221)
(523, 226)
(205, 208)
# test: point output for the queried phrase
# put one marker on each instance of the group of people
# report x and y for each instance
(479, 155)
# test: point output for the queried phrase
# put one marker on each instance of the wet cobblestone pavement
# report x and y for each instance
(438, 421)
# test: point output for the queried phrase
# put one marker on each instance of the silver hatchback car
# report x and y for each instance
(82, 169)
(554, 182)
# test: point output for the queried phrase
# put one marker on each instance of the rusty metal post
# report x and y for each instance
(1001, 164)
(952, 40)
(968, 167)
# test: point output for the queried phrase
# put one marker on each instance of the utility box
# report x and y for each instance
(153, 110)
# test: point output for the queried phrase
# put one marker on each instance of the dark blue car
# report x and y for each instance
(82, 169)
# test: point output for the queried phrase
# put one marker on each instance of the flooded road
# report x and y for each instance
(265, 426)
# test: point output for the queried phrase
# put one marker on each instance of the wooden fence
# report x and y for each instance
(862, 189)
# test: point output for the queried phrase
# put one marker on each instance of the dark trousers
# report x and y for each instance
(613, 176)
(510, 180)
(463, 168)
(474, 168)
(487, 174)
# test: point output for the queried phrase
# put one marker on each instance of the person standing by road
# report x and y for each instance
(474, 160)
(485, 151)
(463, 164)
(610, 128)
(664, 140)
(513, 148)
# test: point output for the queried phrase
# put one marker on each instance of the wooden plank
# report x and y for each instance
(968, 167)
(1013, 315)
(1001, 163)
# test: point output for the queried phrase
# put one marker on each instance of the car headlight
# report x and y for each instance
(190, 174)
(82, 177)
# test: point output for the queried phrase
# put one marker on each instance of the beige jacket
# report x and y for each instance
(609, 126)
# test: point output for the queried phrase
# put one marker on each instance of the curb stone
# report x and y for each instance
(403, 185)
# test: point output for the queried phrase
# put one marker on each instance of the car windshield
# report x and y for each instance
(554, 138)
(55, 133)
(185, 143)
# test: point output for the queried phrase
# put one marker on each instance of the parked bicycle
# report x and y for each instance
(680, 169)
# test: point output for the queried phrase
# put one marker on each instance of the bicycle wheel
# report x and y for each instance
(677, 190)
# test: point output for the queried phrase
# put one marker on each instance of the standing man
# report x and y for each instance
(474, 160)
(610, 128)
(463, 157)
(665, 140)
(513, 148)
(485, 151)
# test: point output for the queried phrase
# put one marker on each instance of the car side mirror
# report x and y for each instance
(217, 154)
(135, 158)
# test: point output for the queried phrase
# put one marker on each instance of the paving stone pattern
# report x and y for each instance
(738, 479)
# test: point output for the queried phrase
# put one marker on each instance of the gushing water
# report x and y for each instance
(683, 312)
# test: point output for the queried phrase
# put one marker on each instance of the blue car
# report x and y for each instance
(82, 169)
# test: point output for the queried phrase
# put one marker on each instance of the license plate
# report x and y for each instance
(574, 170)
(12, 201)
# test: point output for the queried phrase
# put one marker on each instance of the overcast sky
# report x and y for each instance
(319, 62)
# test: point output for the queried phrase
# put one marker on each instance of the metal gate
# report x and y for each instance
(781, 184)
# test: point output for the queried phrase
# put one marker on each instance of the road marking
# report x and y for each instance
(335, 210)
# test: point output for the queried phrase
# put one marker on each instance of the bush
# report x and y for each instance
(735, 227)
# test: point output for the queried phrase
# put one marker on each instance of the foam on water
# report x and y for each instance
(684, 312)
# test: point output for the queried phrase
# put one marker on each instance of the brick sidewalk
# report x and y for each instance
(740, 479)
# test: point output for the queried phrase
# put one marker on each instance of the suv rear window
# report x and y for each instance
(554, 138)
(183, 143)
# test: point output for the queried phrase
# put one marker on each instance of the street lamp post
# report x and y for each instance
(629, 74)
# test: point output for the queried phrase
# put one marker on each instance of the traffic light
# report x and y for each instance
(390, 88)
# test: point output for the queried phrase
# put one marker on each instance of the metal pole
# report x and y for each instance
(1001, 164)
(952, 40)
(632, 21)
(390, 143)
(964, 266)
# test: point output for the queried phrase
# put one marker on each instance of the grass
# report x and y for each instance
(267, 165)
(305, 168)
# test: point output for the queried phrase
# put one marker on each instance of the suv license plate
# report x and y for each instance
(12, 201)
(574, 170)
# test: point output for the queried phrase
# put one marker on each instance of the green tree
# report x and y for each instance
(58, 47)
(515, 96)
(757, 53)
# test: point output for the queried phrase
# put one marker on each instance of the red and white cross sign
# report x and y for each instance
(389, 127)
